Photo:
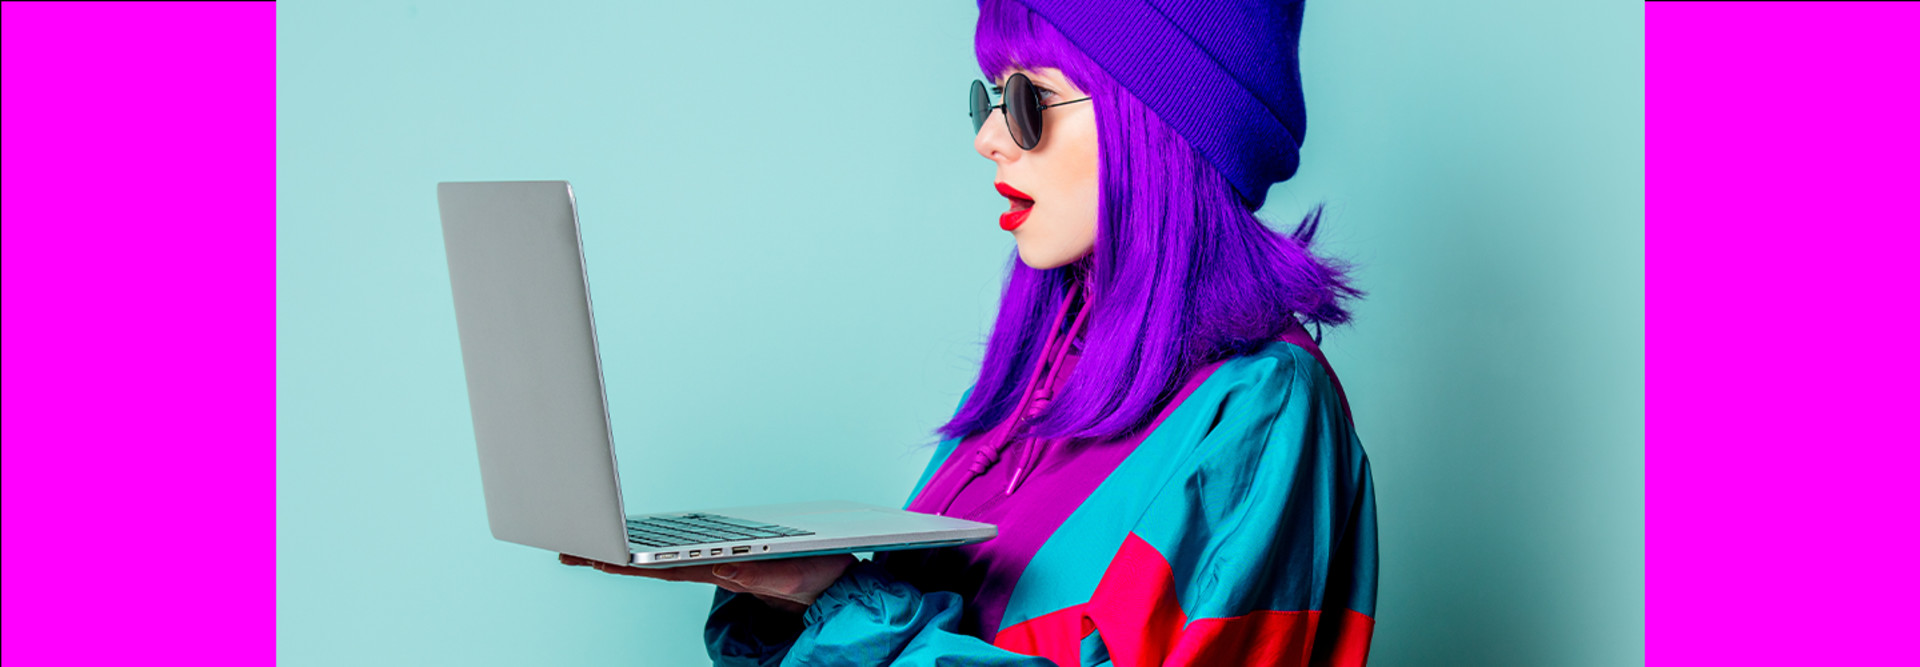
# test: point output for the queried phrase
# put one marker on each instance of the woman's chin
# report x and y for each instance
(1043, 259)
(1036, 260)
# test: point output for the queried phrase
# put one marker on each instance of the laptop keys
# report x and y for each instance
(744, 525)
(701, 528)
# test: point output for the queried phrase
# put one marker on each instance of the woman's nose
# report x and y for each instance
(992, 141)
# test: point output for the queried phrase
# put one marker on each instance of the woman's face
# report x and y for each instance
(1060, 174)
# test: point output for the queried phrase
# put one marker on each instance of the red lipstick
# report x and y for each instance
(1021, 203)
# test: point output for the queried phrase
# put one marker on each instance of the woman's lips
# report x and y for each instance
(1020, 203)
(1012, 219)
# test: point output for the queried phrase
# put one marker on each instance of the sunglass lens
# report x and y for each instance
(1023, 111)
(978, 105)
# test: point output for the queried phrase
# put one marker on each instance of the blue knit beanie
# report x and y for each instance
(1225, 74)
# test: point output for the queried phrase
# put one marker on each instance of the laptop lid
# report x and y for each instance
(533, 366)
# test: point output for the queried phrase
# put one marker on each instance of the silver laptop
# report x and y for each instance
(540, 411)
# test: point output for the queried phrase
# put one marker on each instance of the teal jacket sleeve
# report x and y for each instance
(742, 631)
(867, 617)
(1259, 546)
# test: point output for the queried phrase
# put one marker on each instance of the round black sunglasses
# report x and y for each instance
(1021, 104)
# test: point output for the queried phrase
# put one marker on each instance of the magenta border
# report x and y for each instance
(1781, 273)
(138, 333)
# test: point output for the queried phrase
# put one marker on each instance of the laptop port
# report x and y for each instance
(741, 550)
(715, 552)
(693, 554)
(666, 555)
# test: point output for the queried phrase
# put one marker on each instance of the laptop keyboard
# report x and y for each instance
(697, 528)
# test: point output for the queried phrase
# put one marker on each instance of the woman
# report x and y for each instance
(1168, 458)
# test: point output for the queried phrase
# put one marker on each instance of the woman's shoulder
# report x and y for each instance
(1276, 371)
(1266, 408)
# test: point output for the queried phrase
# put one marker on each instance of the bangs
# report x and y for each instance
(1009, 36)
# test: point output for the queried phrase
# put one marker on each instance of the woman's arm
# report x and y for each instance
(867, 617)
(745, 631)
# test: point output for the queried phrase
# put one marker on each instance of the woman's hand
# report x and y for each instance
(789, 584)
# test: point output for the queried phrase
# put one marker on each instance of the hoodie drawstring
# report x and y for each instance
(1039, 397)
(1031, 448)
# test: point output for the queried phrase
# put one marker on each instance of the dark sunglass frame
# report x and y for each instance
(1021, 106)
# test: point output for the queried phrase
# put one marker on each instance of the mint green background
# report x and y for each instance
(794, 260)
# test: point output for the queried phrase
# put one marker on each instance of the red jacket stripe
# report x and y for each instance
(1137, 610)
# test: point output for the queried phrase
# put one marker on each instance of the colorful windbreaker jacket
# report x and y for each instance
(1238, 529)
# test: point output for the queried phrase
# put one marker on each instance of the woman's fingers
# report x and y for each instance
(669, 574)
(799, 580)
(780, 578)
(795, 581)
(684, 573)
(702, 574)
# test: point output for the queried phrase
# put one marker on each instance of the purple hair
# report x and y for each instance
(1181, 274)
